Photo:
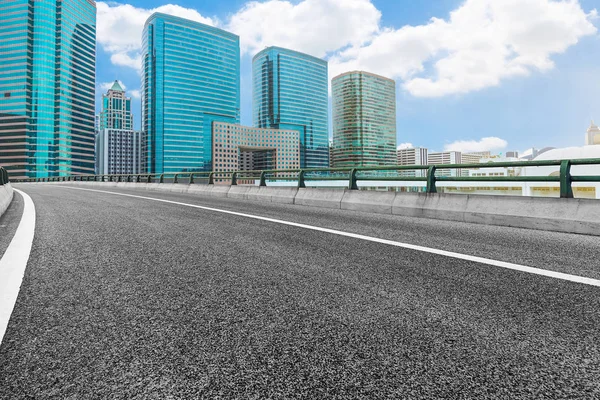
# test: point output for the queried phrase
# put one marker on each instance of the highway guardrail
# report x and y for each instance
(354, 175)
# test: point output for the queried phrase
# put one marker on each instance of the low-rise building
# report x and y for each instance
(412, 156)
(445, 157)
(244, 148)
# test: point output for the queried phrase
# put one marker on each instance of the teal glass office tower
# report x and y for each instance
(290, 91)
(190, 78)
(364, 120)
(47, 87)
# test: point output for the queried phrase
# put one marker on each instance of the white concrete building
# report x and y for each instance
(592, 136)
(496, 171)
(552, 189)
(414, 156)
(445, 157)
(473, 158)
(119, 151)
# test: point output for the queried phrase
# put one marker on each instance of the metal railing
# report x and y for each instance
(354, 175)
(3, 176)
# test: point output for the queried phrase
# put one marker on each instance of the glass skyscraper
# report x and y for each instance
(47, 87)
(364, 120)
(190, 78)
(290, 91)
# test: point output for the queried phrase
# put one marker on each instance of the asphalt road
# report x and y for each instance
(130, 298)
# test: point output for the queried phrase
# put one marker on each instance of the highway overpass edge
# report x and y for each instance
(6, 196)
(581, 216)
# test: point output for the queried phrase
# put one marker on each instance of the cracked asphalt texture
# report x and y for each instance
(129, 298)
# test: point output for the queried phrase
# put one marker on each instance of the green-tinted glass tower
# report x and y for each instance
(290, 91)
(190, 78)
(47, 87)
(364, 120)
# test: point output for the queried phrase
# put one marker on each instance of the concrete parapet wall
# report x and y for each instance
(6, 196)
(550, 214)
(368, 201)
(326, 198)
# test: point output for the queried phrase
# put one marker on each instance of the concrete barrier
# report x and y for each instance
(282, 195)
(200, 190)
(238, 192)
(325, 198)
(368, 201)
(550, 214)
(178, 187)
(219, 190)
(256, 194)
(6, 196)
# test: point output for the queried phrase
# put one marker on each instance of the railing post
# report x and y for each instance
(161, 178)
(191, 182)
(352, 184)
(301, 183)
(263, 179)
(234, 179)
(175, 180)
(211, 178)
(149, 178)
(138, 178)
(566, 189)
(431, 180)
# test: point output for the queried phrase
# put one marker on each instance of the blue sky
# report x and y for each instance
(471, 75)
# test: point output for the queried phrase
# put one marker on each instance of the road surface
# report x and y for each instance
(126, 297)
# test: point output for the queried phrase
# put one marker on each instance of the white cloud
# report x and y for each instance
(479, 45)
(136, 94)
(119, 28)
(472, 146)
(403, 146)
(316, 27)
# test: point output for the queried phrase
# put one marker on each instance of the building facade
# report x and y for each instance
(118, 145)
(445, 157)
(414, 156)
(239, 148)
(116, 109)
(473, 158)
(47, 87)
(290, 92)
(592, 136)
(364, 120)
(190, 78)
(119, 151)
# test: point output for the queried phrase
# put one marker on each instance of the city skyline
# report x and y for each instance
(549, 104)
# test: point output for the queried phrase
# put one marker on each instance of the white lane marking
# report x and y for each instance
(14, 261)
(481, 260)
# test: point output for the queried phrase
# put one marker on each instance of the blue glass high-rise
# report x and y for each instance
(290, 91)
(47, 87)
(190, 78)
